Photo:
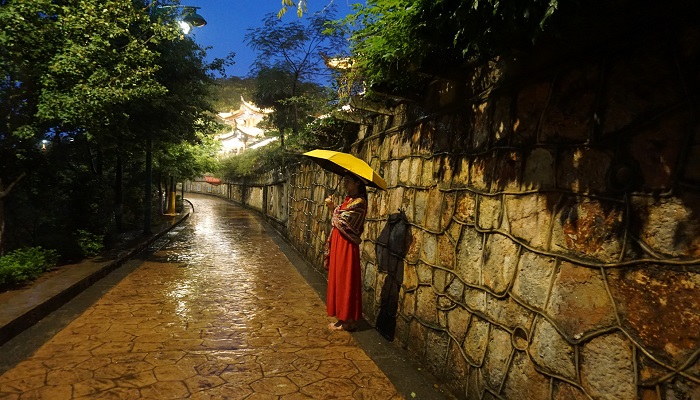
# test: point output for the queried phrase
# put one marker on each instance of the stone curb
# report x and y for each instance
(29, 307)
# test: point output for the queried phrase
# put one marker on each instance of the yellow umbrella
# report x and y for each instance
(342, 163)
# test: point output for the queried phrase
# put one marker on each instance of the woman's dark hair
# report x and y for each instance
(362, 188)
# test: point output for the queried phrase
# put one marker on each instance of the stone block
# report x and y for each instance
(524, 382)
(368, 303)
(379, 283)
(469, 256)
(416, 338)
(425, 274)
(589, 229)
(583, 170)
(443, 305)
(369, 249)
(533, 279)
(539, 170)
(607, 368)
(567, 391)
(500, 261)
(405, 171)
(446, 252)
(476, 341)
(475, 299)
(502, 121)
(498, 354)
(405, 148)
(410, 276)
(427, 178)
(454, 231)
(530, 106)
(659, 306)
(480, 126)
(465, 207)
(370, 276)
(682, 388)
(396, 200)
(420, 206)
(476, 386)
(433, 210)
(530, 217)
(507, 176)
(448, 209)
(457, 371)
(626, 101)
(383, 204)
(649, 372)
(415, 171)
(455, 290)
(481, 173)
(426, 305)
(408, 305)
(579, 303)
(429, 249)
(457, 323)
(570, 106)
(437, 344)
(551, 352)
(670, 226)
(508, 313)
(414, 246)
(391, 173)
(460, 177)
(390, 147)
(444, 172)
(489, 212)
(440, 280)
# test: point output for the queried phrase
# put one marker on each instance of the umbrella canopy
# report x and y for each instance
(342, 163)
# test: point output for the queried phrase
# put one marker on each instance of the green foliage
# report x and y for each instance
(25, 264)
(227, 93)
(394, 40)
(328, 132)
(289, 65)
(95, 78)
(187, 160)
(90, 243)
(251, 162)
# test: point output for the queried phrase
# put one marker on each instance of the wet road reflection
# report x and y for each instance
(218, 313)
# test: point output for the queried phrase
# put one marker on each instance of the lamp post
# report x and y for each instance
(189, 18)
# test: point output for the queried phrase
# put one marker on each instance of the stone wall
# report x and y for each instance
(539, 240)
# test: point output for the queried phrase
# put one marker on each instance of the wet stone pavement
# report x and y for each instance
(218, 313)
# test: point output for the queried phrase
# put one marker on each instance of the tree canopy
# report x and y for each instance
(83, 84)
(289, 67)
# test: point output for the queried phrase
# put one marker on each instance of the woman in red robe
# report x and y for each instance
(342, 255)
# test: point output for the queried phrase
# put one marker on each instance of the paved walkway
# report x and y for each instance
(218, 313)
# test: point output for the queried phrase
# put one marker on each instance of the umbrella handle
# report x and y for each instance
(334, 191)
(336, 186)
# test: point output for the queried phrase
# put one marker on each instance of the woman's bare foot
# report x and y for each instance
(337, 326)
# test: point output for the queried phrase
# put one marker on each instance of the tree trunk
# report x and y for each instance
(147, 188)
(118, 195)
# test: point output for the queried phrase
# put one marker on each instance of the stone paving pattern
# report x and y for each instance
(219, 313)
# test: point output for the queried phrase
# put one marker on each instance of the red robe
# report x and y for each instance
(344, 295)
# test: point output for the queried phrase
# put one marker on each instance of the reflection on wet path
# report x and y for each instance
(219, 312)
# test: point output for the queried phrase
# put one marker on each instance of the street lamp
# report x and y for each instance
(189, 17)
